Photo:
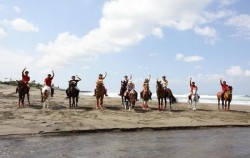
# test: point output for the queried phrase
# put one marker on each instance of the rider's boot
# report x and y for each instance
(95, 93)
(106, 93)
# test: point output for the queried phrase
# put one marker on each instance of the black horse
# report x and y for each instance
(73, 95)
(22, 89)
(122, 91)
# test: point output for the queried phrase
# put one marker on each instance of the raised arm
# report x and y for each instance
(79, 79)
(149, 78)
(190, 82)
(105, 75)
(221, 81)
(53, 74)
(23, 71)
(130, 77)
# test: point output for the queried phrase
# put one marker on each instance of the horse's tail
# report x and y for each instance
(174, 100)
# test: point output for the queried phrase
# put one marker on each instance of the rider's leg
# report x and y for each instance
(150, 95)
(94, 92)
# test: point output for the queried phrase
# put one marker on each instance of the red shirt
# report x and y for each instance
(48, 81)
(25, 79)
(224, 87)
(192, 87)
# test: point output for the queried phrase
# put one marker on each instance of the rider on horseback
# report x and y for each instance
(131, 89)
(224, 87)
(73, 82)
(146, 86)
(48, 81)
(25, 79)
(124, 84)
(192, 86)
(100, 81)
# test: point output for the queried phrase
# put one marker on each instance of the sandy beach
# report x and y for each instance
(35, 120)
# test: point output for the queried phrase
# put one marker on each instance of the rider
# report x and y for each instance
(192, 86)
(100, 81)
(25, 79)
(48, 81)
(125, 82)
(164, 82)
(73, 82)
(224, 87)
(146, 85)
(131, 88)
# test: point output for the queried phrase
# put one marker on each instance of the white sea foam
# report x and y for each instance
(237, 99)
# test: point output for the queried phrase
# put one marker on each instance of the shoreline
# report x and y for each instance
(60, 120)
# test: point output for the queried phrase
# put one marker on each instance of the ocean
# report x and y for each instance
(237, 99)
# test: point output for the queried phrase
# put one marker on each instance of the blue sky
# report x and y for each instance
(206, 40)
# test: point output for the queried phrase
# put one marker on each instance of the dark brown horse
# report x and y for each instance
(130, 100)
(145, 97)
(225, 99)
(73, 95)
(162, 95)
(100, 91)
(122, 91)
(22, 89)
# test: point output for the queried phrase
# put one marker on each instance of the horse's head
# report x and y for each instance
(230, 89)
(20, 83)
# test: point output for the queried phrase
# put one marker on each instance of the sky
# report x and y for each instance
(206, 40)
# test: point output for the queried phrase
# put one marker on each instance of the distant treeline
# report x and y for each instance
(14, 83)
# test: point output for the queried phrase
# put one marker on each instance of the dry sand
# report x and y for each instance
(34, 120)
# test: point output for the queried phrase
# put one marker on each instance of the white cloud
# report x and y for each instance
(225, 3)
(157, 32)
(21, 25)
(247, 73)
(237, 71)
(2, 33)
(179, 56)
(17, 9)
(241, 23)
(125, 23)
(194, 58)
(206, 31)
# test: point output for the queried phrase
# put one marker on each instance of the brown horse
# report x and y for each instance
(130, 100)
(225, 99)
(22, 89)
(163, 94)
(73, 95)
(100, 91)
(145, 97)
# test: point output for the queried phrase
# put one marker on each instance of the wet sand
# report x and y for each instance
(35, 120)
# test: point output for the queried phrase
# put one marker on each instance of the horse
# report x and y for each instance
(145, 97)
(100, 91)
(73, 95)
(130, 99)
(193, 98)
(226, 99)
(122, 91)
(22, 89)
(45, 96)
(163, 94)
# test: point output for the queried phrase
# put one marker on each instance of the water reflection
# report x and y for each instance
(201, 143)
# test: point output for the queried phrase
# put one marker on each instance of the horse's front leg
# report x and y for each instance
(159, 102)
(76, 101)
(28, 98)
(101, 102)
(218, 104)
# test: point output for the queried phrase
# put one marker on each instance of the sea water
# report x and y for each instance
(192, 143)
(237, 99)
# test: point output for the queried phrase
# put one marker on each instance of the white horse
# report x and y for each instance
(193, 98)
(45, 96)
